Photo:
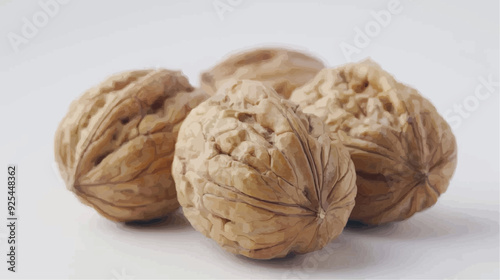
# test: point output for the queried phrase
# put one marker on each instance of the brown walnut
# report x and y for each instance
(404, 152)
(260, 177)
(282, 69)
(114, 148)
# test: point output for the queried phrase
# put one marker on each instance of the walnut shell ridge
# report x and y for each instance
(260, 177)
(282, 69)
(114, 147)
(404, 152)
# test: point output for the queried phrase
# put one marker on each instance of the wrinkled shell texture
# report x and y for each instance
(260, 177)
(403, 150)
(282, 69)
(115, 146)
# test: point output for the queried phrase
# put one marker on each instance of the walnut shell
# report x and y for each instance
(282, 69)
(114, 148)
(260, 177)
(403, 150)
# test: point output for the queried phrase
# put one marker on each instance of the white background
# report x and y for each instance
(440, 47)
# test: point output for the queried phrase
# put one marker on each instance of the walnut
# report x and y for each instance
(260, 177)
(403, 150)
(282, 69)
(114, 148)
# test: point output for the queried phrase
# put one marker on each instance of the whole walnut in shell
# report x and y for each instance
(282, 69)
(115, 146)
(403, 150)
(260, 177)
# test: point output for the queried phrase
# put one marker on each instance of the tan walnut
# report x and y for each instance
(260, 177)
(282, 69)
(115, 146)
(403, 150)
